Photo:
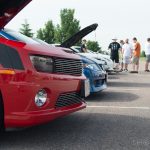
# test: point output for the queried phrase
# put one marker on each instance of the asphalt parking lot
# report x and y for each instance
(115, 119)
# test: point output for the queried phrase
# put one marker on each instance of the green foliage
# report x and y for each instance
(58, 34)
(68, 26)
(61, 32)
(94, 46)
(40, 34)
(143, 54)
(26, 30)
(47, 34)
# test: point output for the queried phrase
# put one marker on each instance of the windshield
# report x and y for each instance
(90, 51)
(20, 37)
(76, 49)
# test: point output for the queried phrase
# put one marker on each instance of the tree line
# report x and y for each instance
(51, 33)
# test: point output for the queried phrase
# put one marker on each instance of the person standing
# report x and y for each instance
(83, 47)
(127, 54)
(147, 53)
(121, 54)
(114, 48)
(136, 55)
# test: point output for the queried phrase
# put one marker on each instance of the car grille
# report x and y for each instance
(68, 66)
(68, 99)
(102, 67)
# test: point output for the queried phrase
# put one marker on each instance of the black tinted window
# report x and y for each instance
(9, 58)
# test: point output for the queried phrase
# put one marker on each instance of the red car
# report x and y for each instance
(37, 83)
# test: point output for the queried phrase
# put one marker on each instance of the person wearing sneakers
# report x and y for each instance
(136, 55)
(114, 48)
(127, 54)
(147, 53)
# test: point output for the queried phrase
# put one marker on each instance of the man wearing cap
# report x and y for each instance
(114, 47)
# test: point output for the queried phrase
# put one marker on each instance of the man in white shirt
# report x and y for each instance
(127, 54)
(147, 53)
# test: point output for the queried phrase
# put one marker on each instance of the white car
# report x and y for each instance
(108, 63)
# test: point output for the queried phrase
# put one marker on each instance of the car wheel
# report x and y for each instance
(1, 116)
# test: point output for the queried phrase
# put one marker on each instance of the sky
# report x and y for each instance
(116, 18)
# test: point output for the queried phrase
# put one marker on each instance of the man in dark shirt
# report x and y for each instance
(83, 47)
(114, 55)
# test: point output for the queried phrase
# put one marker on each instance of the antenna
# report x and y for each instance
(95, 35)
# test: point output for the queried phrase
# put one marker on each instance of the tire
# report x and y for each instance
(2, 128)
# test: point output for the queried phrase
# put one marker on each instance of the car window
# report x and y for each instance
(9, 58)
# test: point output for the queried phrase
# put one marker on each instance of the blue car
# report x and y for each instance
(92, 70)
(95, 74)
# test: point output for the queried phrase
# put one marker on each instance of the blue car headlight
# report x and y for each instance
(92, 66)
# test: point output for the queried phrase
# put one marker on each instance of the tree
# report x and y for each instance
(94, 46)
(47, 34)
(68, 26)
(26, 30)
(40, 34)
(143, 54)
(58, 34)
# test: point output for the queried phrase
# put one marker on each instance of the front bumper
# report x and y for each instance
(97, 88)
(19, 100)
(98, 80)
(108, 68)
(25, 119)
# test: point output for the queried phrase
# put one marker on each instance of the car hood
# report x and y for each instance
(9, 9)
(91, 55)
(79, 35)
(92, 58)
(39, 49)
(86, 60)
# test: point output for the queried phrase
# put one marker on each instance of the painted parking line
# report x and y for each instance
(119, 107)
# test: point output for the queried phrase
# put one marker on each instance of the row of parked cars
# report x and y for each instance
(39, 82)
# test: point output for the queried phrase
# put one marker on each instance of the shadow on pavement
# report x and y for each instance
(113, 77)
(83, 131)
(111, 96)
(117, 73)
(128, 84)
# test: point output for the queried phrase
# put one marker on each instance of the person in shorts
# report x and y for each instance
(121, 55)
(127, 54)
(147, 53)
(136, 55)
(114, 48)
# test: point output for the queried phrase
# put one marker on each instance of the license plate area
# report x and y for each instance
(85, 88)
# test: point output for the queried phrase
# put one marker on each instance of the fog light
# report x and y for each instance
(40, 98)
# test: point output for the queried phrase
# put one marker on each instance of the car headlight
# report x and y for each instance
(41, 98)
(92, 66)
(42, 63)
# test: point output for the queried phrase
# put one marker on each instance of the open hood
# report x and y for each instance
(79, 35)
(9, 9)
